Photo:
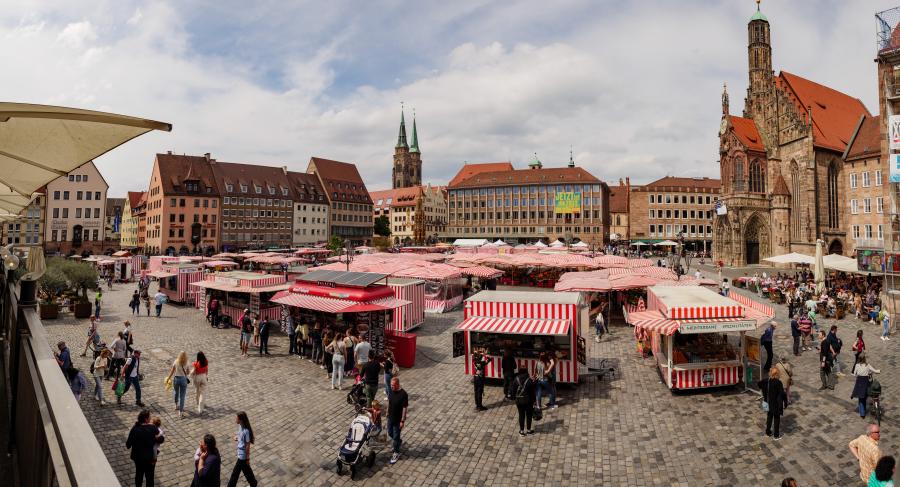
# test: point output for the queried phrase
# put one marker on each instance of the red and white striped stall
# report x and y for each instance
(407, 318)
(175, 280)
(697, 335)
(528, 323)
(240, 290)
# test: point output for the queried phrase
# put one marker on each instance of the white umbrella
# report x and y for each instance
(792, 258)
(666, 243)
(558, 243)
(35, 265)
(819, 271)
(580, 244)
(39, 143)
(638, 244)
(540, 244)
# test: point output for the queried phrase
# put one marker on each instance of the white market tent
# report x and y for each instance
(558, 243)
(840, 263)
(44, 142)
(469, 242)
(540, 244)
(580, 244)
(666, 243)
(498, 243)
(792, 258)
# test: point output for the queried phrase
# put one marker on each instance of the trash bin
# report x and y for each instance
(404, 347)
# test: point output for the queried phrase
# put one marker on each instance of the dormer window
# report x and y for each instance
(229, 188)
(243, 188)
(271, 190)
(258, 189)
(284, 191)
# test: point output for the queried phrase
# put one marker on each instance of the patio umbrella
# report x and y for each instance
(819, 272)
(43, 142)
(36, 265)
(666, 243)
(791, 258)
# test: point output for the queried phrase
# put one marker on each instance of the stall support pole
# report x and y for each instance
(744, 361)
(669, 361)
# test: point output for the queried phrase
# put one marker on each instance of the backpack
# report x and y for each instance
(874, 388)
(128, 338)
(522, 391)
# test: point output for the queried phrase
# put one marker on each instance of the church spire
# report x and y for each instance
(414, 145)
(725, 99)
(401, 138)
(571, 158)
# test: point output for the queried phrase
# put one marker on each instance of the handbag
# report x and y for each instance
(765, 404)
(185, 375)
(537, 414)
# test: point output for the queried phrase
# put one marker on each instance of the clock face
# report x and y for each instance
(723, 127)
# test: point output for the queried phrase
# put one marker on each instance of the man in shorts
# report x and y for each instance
(246, 325)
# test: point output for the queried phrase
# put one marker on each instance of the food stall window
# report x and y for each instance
(523, 346)
(702, 348)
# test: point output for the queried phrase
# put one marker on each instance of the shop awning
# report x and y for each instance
(220, 286)
(515, 326)
(333, 305)
(654, 321)
(482, 272)
(161, 274)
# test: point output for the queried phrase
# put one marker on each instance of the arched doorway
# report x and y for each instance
(756, 240)
(836, 247)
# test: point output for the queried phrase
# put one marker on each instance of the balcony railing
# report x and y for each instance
(50, 439)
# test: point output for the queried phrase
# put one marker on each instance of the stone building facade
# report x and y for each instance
(310, 209)
(619, 228)
(780, 163)
(865, 193)
(350, 212)
(28, 229)
(403, 207)
(75, 212)
(674, 208)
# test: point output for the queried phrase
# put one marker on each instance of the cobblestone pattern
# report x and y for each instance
(627, 429)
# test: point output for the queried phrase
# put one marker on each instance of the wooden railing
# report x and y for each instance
(50, 439)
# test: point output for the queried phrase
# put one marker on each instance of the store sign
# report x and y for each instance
(568, 202)
(895, 168)
(228, 281)
(376, 331)
(717, 327)
(581, 352)
(894, 132)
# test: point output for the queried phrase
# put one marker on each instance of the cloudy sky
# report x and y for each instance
(633, 87)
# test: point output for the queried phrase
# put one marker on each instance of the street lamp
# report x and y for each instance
(348, 248)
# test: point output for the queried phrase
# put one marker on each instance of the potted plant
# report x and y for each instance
(51, 286)
(81, 277)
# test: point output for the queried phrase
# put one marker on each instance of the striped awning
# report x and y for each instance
(653, 321)
(515, 326)
(161, 274)
(305, 301)
(390, 302)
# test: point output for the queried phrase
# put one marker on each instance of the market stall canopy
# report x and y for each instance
(335, 305)
(162, 274)
(580, 244)
(481, 271)
(469, 242)
(230, 288)
(840, 263)
(122, 253)
(44, 142)
(515, 326)
(791, 258)
(218, 263)
(558, 243)
(666, 243)
(540, 244)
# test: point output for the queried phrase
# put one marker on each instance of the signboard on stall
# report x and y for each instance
(376, 332)
(687, 328)
(894, 136)
(568, 202)
(753, 365)
(581, 352)
(894, 161)
(228, 281)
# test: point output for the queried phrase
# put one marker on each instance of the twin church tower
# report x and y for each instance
(407, 158)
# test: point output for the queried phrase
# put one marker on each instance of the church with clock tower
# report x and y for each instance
(780, 162)
(407, 157)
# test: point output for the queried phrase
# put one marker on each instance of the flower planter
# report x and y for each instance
(83, 310)
(49, 311)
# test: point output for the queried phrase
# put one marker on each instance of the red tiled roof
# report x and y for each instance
(866, 141)
(746, 131)
(553, 175)
(835, 114)
(135, 197)
(675, 182)
(174, 169)
(252, 176)
(399, 197)
(469, 170)
(618, 199)
(306, 187)
(341, 178)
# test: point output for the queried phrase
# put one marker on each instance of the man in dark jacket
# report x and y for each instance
(141, 440)
(795, 334)
(836, 344)
(508, 364)
(264, 328)
(826, 362)
(766, 341)
(479, 363)
(525, 399)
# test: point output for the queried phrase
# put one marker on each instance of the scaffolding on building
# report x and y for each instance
(888, 46)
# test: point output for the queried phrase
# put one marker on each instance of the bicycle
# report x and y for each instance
(877, 410)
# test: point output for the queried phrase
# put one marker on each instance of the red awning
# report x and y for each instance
(653, 321)
(317, 303)
(161, 274)
(515, 326)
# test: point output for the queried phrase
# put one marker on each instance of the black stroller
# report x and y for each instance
(356, 445)
(356, 396)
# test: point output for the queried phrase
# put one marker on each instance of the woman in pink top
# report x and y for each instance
(199, 371)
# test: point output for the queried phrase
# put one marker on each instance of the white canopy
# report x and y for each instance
(558, 243)
(792, 258)
(580, 244)
(666, 243)
(39, 143)
(840, 263)
(469, 242)
(540, 244)
(499, 242)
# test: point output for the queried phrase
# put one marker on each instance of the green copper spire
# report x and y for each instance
(414, 145)
(758, 15)
(401, 138)
(571, 158)
(535, 163)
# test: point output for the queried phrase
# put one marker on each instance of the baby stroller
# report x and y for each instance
(356, 397)
(356, 445)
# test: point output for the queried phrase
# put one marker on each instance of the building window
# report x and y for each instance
(65, 195)
(868, 231)
(833, 212)
(867, 205)
(854, 207)
(56, 195)
(878, 177)
(880, 232)
(77, 212)
(856, 232)
(865, 183)
(79, 195)
(853, 180)
(879, 204)
(229, 188)
(56, 213)
(652, 199)
(173, 202)
(96, 193)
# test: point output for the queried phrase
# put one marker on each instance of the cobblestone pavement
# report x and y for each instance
(627, 429)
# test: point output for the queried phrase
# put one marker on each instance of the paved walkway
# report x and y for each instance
(624, 430)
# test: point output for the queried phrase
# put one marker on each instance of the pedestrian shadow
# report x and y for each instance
(547, 426)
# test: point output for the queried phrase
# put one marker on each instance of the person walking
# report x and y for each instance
(200, 374)
(244, 439)
(159, 298)
(100, 369)
(836, 345)
(132, 377)
(773, 395)
(93, 339)
(525, 399)
(207, 464)
(77, 382)
(141, 440)
(338, 350)
(859, 346)
(119, 349)
(398, 403)
(213, 312)
(766, 341)
(599, 326)
(885, 326)
(264, 328)
(147, 304)
(370, 372)
(63, 357)
(795, 335)
(292, 334)
(178, 374)
(883, 475)
(786, 376)
(390, 367)
(867, 451)
(135, 304)
(508, 365)
(128, 337)
(863, 372)
(246, 323)
(98, 299)
(479, 364)
(826, 362)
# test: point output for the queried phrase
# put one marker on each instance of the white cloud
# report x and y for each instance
(633, 87)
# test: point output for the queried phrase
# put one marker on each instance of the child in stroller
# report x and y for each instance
(356, 397)
(356, 445)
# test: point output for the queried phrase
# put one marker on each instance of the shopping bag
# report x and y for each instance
(168, 383)
(115, 384)
(537, 414)
(120, 388)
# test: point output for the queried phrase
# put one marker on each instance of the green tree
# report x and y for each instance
(335, 244)
(52, 283)
(80, 276)
(383, 226)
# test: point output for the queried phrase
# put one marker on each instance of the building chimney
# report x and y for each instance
(284, 169)
(169, 152)
(627, 181)
(206, 156)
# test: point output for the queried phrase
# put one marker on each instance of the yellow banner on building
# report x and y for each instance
(568, 202)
